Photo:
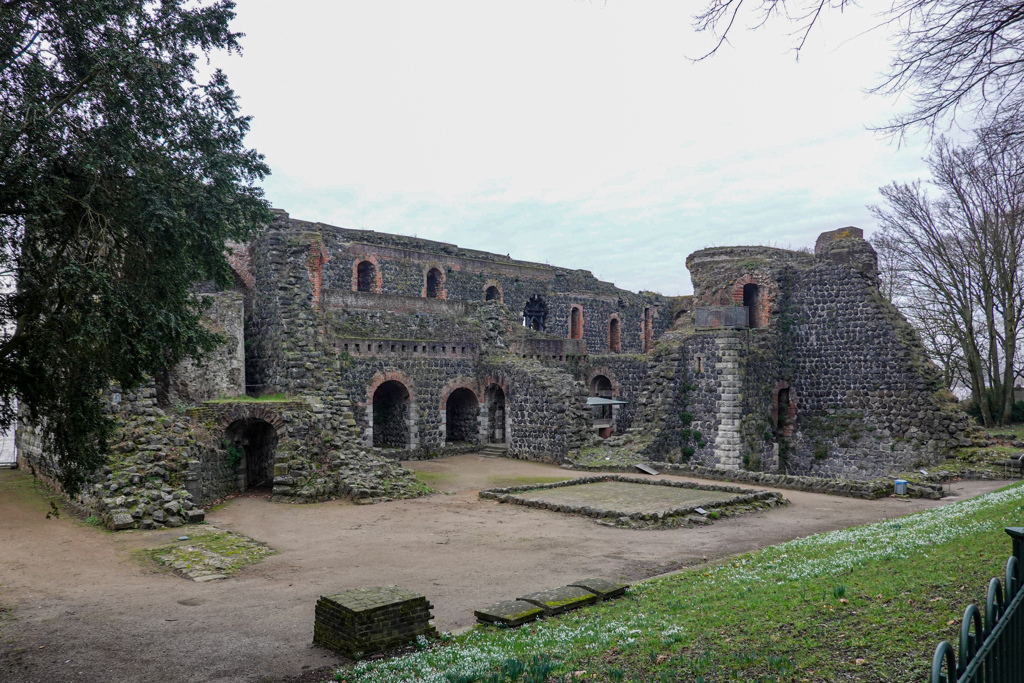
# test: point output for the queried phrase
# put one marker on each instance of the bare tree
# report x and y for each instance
(949, 54)
(960, 257)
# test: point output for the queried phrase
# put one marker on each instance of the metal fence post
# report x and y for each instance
(1017, 534)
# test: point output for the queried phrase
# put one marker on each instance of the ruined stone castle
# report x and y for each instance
(375, 348)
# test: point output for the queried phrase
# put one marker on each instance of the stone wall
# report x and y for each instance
(220, 373)
(547, 413)
(628, 375)
(867, 400)
(860, 397)
(401, 265)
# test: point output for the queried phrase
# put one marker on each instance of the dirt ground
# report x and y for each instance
(76, 604)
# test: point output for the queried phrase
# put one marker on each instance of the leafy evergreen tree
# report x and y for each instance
(122, 174)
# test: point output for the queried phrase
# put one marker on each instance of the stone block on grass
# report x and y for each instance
(602, 588)
(508, 613)
(365, 621)
(557, 600)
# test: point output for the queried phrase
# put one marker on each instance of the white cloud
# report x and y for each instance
(572, 132)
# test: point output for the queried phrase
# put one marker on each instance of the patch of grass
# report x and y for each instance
(433, 479)
(209, 551)
(31, 491)
(808, 610)
(499, 480)
(1017, 430)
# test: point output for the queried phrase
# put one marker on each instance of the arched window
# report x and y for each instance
(492, 293)
(576, 323)
(366, 277)
(750, 301)
(434, 283)
(614, 338)
(535, 313)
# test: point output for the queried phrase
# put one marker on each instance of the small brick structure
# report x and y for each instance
(365, 621)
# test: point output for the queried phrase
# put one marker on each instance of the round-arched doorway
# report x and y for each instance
(495, 397)
(391, 415)
(462, 416)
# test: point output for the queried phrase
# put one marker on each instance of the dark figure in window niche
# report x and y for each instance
(535, 313)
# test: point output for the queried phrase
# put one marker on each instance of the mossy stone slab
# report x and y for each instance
(557, 600)
(602, 588)
(508, 613)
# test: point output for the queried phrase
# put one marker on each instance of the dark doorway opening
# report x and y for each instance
(750, 301)
(492, 293)
(257, 441)
(614, 337)
(433, 283)
(535, 314)
(366, 276)
(495, 414)
(462, 416)
(391, 415)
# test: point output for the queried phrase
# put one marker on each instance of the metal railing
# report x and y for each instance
(991, 650)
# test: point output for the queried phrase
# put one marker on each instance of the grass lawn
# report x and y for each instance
(863, 604)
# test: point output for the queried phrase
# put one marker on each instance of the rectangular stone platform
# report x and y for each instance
(602, 588)
(365, 621)
(557, 600)
(508, 613)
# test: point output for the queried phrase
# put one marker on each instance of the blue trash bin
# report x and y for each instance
(901, 487)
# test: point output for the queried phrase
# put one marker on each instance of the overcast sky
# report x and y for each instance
(577, 133)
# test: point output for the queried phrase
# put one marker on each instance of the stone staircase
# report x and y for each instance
(494, 450)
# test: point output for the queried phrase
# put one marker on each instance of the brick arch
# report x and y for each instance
(376, 286)
(497, 285)
(576, 333)
(487, 380)
(759, 317)
(614, 341)
(389, 376)
(607, 372)
(459, 383)
(244, 411)
(737, 288)
(442, 289)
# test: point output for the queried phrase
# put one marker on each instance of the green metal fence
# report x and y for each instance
(991, 650)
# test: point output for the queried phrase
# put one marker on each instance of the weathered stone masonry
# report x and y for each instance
(386, 347)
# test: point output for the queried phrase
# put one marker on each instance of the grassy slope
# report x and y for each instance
(864, 604)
